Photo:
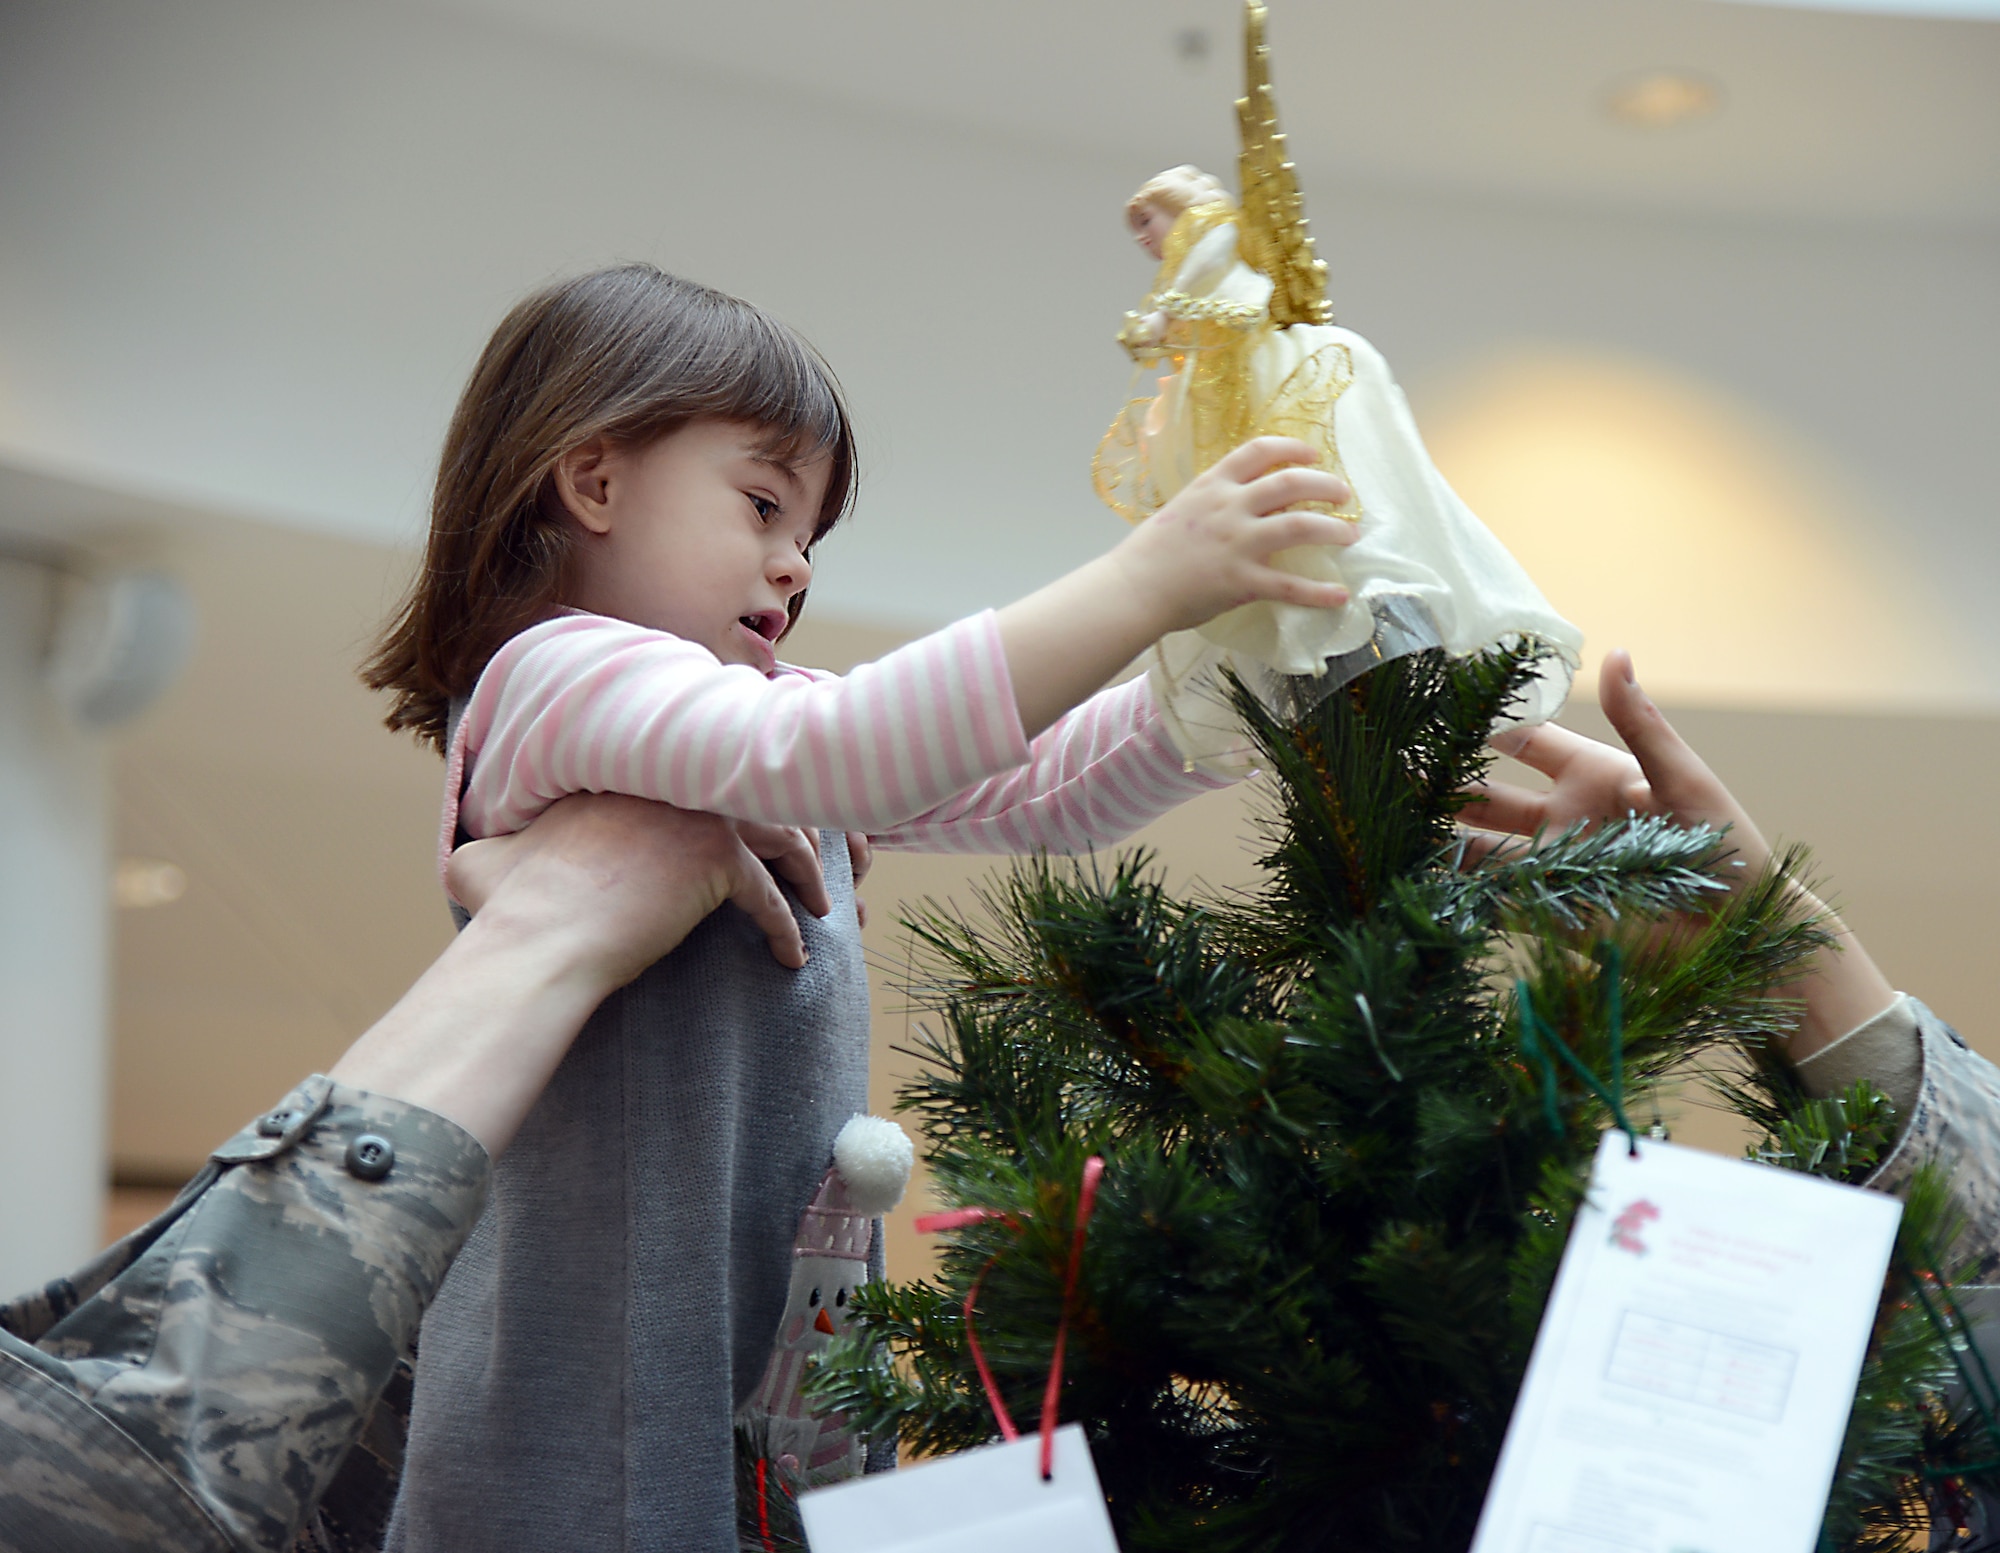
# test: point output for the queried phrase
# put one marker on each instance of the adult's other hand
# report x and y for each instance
(565, 912)
(1659, 773)
(633, 871)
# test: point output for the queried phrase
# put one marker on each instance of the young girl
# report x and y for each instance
(626, 513)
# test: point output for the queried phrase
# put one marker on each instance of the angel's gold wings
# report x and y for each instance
(1273, 238)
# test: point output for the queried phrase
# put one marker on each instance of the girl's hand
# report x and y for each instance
(1209, 549)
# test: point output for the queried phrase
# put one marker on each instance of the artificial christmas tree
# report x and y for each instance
(1344, 1123)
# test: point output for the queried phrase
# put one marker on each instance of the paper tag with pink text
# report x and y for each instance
(1695, 1366)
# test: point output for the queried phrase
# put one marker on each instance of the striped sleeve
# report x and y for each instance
(585, 704)
(1094, 777)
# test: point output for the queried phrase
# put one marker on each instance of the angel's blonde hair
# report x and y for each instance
(1177, 190)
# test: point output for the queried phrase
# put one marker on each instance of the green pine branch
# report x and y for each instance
(1644, 866)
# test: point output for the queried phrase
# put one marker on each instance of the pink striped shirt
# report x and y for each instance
(923, 749)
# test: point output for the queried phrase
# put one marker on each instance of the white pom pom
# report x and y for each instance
(873, 1156)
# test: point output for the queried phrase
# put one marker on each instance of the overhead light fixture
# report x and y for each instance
(122, 639)
(1659, 99)
(1962, 10)
(140, 882)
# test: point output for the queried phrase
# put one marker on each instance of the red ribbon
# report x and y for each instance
(958, 1218)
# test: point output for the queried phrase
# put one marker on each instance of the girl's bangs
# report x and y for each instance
(789, 391)
(783, 386)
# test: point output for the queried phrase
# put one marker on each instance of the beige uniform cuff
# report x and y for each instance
(1887, 1051)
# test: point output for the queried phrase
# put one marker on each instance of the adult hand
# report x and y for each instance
(1661, 774)
(633, 871)
(794, 852)
(1657, 773)
(860, 858)
(593, 892)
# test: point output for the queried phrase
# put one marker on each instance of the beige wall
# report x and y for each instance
(306, 833)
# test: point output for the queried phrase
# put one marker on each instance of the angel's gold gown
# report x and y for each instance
(1425, 571)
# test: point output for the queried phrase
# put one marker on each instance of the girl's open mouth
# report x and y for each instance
(759, 632)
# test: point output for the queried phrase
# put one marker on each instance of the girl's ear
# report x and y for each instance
(583, 484)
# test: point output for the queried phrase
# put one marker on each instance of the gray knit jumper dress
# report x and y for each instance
(577, 1374)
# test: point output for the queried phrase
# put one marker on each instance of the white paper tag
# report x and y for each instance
(990, 1500)
(1695, 1367)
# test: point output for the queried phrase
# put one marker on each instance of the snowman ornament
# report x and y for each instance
(871, 1167)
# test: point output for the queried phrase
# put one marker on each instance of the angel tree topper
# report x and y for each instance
(1235, 341)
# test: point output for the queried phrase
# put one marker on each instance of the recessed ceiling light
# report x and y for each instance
(139, 882)
(1192, 44)
(1657, 99)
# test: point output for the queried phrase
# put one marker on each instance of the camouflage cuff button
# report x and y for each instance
(370, 1156)
(282, 1127)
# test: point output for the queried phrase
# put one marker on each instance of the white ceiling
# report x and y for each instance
(247, 252)
(1825, 113)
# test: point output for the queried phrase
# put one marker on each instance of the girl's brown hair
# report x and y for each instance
(628, 354)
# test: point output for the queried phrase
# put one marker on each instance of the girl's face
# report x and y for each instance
(1150, 224)
(702, 533)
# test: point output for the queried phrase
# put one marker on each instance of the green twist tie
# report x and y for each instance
(1542, 1046)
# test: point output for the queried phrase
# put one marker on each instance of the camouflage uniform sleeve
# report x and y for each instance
(1955, 1120)
(198, 1385)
